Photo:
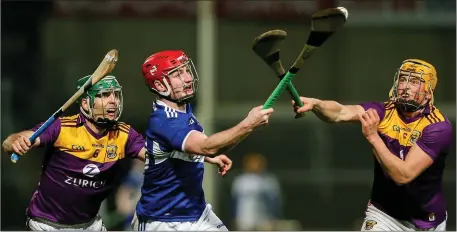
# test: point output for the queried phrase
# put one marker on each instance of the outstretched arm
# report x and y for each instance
(198, 143)
(330, 111)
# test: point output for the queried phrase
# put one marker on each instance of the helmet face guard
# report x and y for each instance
(414, 83)
(163, 66)
(178, 73)
(108, 112)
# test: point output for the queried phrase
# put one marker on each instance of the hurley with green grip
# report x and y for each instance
(323, 24)
(267, 47)
(287, 79)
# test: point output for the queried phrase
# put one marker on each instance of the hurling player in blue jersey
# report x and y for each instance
(172, 194)
(411, 139)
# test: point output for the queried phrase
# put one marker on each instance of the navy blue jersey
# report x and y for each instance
(172, 190)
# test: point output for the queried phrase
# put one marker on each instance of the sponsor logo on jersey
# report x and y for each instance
(398, 128)
(98, 145)
(90, 170)
(77, 147)
(83, 183)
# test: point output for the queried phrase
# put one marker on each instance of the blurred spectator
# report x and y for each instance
(256, 195)
(129, 193)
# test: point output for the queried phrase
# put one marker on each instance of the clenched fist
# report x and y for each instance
(21, 145)
(258, 117)
(308, 104)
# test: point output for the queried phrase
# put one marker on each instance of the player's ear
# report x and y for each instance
(159, 86)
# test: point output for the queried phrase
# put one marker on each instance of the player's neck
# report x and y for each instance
(174, 105)
(94, 128)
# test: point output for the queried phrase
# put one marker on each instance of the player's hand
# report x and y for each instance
(21, 145)
(370, 121)
(223, 163)
(308, 104)
(258, 117)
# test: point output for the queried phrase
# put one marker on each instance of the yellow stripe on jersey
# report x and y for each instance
(406, 133)
(389, 105)
(123, 127)
(70, 118)
(437, 114)
(69, 121)
(78, 142)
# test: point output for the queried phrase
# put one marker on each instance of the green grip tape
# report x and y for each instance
(278, 90)
(293, 92)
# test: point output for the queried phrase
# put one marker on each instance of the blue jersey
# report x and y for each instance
(172, 190)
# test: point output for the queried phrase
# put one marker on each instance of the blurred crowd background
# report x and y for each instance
(292, 175)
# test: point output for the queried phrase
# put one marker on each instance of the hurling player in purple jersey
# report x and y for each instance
(82, 160)
(410, 138)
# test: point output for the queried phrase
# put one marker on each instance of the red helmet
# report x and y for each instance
(160, 65)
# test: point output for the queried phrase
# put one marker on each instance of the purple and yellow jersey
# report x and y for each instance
(422, 200)
(172, 190)
(80, 169)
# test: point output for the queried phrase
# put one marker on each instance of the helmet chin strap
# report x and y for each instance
(103, 123)
(181, 101)
(409, 106)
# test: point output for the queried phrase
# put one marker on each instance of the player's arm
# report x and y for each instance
(142, 154)
(435, 138)
(198, 143)
(330, 111)
(129, 186)
(123, 204)
(19, 142)
(135, 146)
(223, 163)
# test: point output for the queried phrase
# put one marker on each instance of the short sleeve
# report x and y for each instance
(176, 132)
(50, 134)
(135, 142)
(436, 138)
(378, 106)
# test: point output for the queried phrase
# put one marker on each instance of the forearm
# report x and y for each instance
(123, 202)
(225, 140)
(7, 144)
(327, 111)
(394, 166)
